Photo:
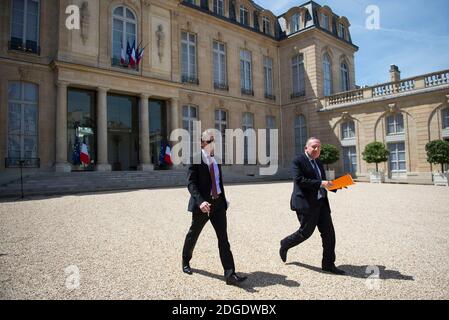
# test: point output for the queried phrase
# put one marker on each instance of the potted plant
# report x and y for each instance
(438, 153)
(376, 152)
(329, 155)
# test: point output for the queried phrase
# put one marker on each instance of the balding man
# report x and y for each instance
(309, 201)
(208, 202)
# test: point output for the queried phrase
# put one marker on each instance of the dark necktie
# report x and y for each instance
(212, 177)
(322, 191)
(315, 167)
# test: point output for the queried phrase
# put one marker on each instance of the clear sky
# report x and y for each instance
(413, 34)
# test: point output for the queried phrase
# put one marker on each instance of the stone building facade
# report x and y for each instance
(228, 63)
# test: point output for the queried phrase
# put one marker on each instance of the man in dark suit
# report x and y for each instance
(208, 202)
(309, 200)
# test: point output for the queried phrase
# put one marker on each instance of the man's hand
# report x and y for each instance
(326, 184)
(205, 207)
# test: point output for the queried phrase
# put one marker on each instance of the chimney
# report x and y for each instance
(395, 74)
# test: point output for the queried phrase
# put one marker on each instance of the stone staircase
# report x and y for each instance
(53, 183)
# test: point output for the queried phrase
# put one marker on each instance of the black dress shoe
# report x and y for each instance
(283, 254)
(334, 270)
(186, 268)
(234, 279)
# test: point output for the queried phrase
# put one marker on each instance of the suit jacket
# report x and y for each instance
(200, 185)
(306, 185)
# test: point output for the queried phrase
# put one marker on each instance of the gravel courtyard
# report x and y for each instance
(127, 245)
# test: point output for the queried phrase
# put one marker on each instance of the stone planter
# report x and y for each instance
(377, 177)
(330, 175)
(441, 179)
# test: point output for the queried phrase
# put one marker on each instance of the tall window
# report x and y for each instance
(81, 127)
(189, 115)
(204, 4)
(397, 157)
(348, 130)
(395, 124)
(188, 58)
(327, 75)
(350, 159)
(219, 7)
(445, 116)
(325, 21)
(341, 31)
(300, 134)
(232, 13)
(266, 25)
(271, 124)
(25, 25)
(22, 120)
(221, 124)
(124, 33)
(190, 1)
(247, 123)
(244, 16)
(220, 77)
(268, 76)
(256, 20)
(344, 72)
(298, 74)
(245, 72)
(296, 19)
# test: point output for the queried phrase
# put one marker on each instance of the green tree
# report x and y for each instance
(329, 154)
(375, 152)
(438, 152)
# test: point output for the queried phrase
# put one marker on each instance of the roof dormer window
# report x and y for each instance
(266, 25)
(295, 24)
(244, 16)
(342, 31)
(325, 21)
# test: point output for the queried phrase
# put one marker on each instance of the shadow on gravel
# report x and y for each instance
(362, 272)
(256, 279)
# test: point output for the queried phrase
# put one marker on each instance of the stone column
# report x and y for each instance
(61, 129)
(145, 152)
(102, 130)
(174, 123)
(174, 115)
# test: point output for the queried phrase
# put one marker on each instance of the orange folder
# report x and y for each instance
(342, 182)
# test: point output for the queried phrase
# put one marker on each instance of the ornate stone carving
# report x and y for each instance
(345, 116)
(160, 38)
(24, 73)
(190, 97)
(85, 15)
(221, 103)
(392, 108)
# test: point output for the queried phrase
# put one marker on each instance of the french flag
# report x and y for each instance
(167, 157)
(132, 58)
(84, 155)
(140, 55)
(122, 56)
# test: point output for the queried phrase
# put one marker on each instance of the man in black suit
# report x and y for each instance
(208, 202)
(309, 200)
